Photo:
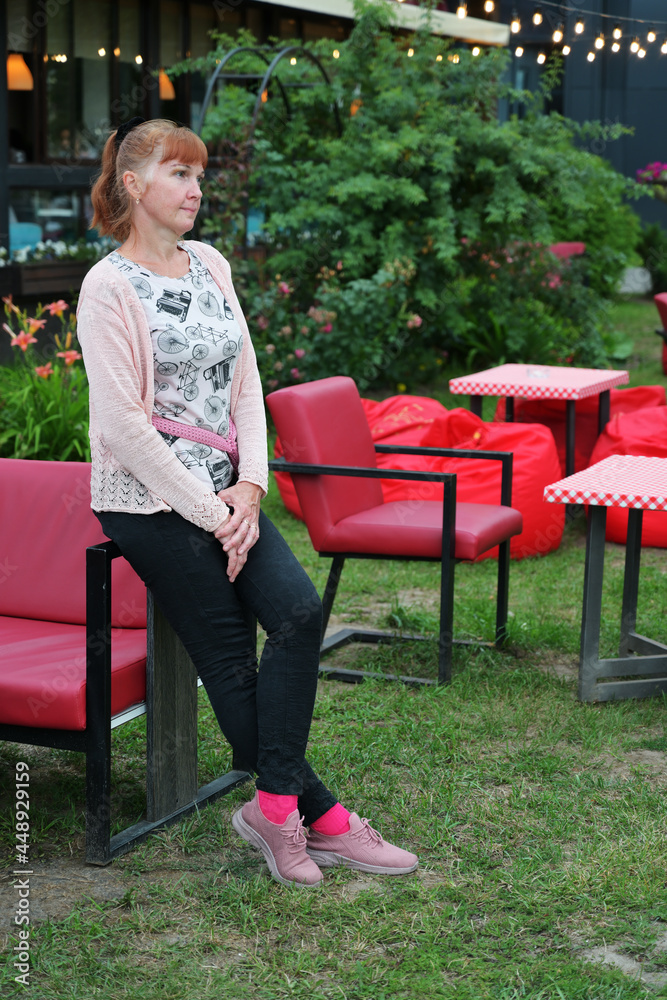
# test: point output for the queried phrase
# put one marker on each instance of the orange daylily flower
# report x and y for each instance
(23, 339)
(56, 308)
(35, 324)
(44, 370)
(69, 356)
(8, 300)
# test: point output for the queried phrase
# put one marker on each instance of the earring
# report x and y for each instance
(138, 200)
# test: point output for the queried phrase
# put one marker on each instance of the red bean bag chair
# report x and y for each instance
(414, 420)
(551, 413)
(640, 433)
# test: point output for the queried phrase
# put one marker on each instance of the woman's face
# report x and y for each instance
(172, 196)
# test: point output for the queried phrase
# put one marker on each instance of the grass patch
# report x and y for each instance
(539, 821)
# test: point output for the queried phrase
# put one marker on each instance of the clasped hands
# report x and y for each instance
(239, 532)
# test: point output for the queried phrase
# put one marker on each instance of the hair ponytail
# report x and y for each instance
(111, 204)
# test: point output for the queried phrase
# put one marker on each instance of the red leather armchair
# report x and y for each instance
(326, 441)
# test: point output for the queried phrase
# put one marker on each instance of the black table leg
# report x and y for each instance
(476, 405)
(633, 550)
(589, 656)
(570, 423)
(604, 403)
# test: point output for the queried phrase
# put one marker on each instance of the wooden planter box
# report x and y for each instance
(55, 277)
(8, 278)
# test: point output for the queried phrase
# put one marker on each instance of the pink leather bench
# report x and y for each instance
(82, 650)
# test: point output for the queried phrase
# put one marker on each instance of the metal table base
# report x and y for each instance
(640, 669)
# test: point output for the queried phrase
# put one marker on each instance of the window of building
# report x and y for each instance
(83, 67)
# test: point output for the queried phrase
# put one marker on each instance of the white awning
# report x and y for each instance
(469, 29)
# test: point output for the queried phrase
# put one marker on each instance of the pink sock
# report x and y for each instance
(334, 822)
(276, 808)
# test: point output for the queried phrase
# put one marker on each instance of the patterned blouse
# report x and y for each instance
(196, 343)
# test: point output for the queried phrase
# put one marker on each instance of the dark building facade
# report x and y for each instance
(76, 68)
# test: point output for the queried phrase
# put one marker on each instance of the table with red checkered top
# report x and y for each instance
(543, 382)
(638, 484)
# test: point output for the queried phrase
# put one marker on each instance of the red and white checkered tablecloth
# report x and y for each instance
(538, 382)
(617, 481)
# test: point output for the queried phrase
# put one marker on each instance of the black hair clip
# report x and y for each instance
(126, 128)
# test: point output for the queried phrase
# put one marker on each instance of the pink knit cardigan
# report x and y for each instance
(133, 469)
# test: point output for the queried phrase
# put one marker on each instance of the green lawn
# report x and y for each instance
(540, 822)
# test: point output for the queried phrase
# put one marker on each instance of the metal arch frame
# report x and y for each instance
(218, 70)
(291, 50)
(265, 80)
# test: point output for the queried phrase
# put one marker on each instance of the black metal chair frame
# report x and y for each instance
(171, 709)
(447, 560)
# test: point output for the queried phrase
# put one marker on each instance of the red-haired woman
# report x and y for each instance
(179, 467)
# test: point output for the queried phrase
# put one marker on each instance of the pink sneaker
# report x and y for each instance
(361, 848)
(284, 846)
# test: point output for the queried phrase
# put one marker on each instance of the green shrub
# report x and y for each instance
(421, 172)
(362, 328)
(652, 249)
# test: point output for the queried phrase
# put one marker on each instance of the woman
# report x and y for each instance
(179, 467)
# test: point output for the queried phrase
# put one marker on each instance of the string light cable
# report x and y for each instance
(619, 27)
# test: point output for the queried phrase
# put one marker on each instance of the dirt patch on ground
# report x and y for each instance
(55, 888)
(633, 762)
(619, 956)
(564, 667)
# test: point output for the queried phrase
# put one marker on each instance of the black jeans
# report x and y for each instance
(264, 713)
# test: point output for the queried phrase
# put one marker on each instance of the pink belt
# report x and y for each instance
(202, 436)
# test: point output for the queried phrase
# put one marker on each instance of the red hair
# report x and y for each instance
(142, 149)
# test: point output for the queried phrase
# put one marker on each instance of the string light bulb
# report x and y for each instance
(641, 53)
(566, 50)
(634, 44)
(518, 52)
(591, 57)
(537, 16)
(615, 46)
(599, 41)
(462, 9)
(578, 26)
(476, 50)
(489, 6)
(663, 47)
(515, 23)
(541, 58)
(650, 35)
(558, 34)
(617, 33)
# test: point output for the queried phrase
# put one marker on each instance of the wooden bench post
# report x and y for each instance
(171, 724)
